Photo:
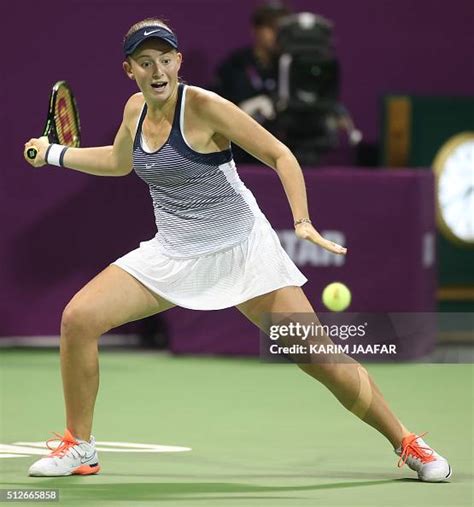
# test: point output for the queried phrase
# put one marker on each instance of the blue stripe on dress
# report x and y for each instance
(197, 210)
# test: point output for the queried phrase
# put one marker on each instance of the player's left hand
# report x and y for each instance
(308, 232)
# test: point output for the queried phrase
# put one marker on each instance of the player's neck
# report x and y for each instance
(157, 111)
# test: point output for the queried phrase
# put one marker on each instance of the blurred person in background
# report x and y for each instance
(248, 76)
(312, 117)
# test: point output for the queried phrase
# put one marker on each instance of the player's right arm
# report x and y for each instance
(114, 160)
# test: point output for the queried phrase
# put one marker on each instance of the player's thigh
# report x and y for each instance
(285, 306)
(285, 302)
(111, 299)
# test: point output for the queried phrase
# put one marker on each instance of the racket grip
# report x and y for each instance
(31, 153)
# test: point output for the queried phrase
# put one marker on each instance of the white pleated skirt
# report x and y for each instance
(217, 280)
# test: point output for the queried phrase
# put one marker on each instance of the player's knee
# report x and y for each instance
(82, 320)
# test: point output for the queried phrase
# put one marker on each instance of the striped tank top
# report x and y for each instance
(200, 203)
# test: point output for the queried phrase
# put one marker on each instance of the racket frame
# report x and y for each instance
(50, 129)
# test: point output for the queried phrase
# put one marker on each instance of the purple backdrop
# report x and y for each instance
(386, 219)
(422, 46)
(70, 230)
(59, 229)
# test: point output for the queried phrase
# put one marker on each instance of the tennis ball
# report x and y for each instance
(336, 297)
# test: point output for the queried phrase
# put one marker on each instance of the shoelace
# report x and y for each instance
(65, 444)
(413, 449)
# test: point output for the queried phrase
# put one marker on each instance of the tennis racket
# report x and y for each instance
(62, 124)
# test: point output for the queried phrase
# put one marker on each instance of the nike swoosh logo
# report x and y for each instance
(145, 33)
(87, 458)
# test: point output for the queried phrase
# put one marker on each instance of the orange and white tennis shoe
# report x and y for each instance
(71, 457)
(419, 456)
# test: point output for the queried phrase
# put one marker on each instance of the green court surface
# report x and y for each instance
(261, 434)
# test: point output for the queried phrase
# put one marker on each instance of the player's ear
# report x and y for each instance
(128, 69)
(180, 59)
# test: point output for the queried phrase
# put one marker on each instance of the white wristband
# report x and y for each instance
(55, 154)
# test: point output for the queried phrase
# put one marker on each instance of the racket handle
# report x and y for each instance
(31, 153)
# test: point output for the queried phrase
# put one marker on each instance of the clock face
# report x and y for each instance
(454, 166)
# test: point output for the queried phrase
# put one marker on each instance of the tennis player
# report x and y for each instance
(214, 247)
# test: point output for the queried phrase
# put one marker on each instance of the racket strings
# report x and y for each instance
(67, 127)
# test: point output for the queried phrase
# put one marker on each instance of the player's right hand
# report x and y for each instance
(307, 231)
(41, 144)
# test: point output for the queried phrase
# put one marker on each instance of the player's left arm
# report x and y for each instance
(231, 122)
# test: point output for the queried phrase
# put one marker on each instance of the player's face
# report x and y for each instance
(154, 66)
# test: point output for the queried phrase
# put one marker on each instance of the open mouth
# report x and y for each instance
(159, 86)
